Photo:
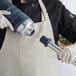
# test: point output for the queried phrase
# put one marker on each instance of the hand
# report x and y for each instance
(68, 54)
(4, 21)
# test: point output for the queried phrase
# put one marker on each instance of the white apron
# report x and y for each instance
(26, 56)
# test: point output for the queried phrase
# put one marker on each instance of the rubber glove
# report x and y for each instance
(68, 54)
(4, 21)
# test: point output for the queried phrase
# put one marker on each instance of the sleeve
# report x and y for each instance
(63, 21)
(74, 24)
(67, 25)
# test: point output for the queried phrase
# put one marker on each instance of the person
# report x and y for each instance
(70, 50)
(63, 21)
(37, 64)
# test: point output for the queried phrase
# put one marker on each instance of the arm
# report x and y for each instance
(3, 23)
(68, 54)
(67, 25)
(63, 22)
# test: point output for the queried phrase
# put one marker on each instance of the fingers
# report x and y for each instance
(5, 23)
(8, 24)
(65, 56)
(68, 58)
(73, 61)
(2, 12)
(1, 22)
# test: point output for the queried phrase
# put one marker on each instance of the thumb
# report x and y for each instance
(74, 61)
(3, 12)
(8, 24)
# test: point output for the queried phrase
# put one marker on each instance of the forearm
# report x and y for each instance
(62, 20)
(67, 25)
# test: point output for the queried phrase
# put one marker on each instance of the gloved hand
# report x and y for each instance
(3, 20)
(68, 54)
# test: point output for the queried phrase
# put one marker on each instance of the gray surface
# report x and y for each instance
(66, 69)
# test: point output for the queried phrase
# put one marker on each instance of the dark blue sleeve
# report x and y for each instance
(67, 25)
(63, 21)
